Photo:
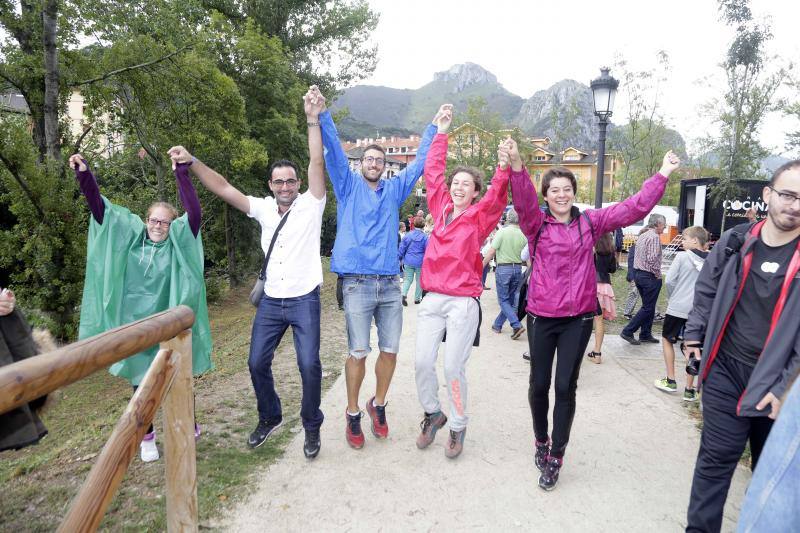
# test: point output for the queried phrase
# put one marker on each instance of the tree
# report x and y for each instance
(752, 83)
(474, 137)
(645, 138)
(327, 42)
(793, 110)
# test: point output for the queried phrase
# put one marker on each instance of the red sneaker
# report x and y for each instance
(377, 414)
(353, 433)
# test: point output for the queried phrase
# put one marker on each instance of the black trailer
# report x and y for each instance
(697, 209)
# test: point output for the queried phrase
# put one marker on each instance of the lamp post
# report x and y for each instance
(604, 89)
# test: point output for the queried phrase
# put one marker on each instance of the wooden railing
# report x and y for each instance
(168, 382)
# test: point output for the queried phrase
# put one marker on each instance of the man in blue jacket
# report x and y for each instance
(365, 255)
(746, 317)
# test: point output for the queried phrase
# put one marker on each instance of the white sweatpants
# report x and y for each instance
(458, 315)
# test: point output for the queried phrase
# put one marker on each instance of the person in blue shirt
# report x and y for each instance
(411, 253)
(365, 255)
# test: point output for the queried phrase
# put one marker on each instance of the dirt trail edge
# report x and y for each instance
(628, 466)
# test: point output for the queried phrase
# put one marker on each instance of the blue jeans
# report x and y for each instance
(648, 286)
(367, 297)
(507, 278)
(273, 317)
(410, 273)
(772, 501)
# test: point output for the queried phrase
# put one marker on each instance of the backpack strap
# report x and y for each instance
(737, 238)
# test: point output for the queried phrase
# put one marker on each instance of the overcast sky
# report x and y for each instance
(529, 45)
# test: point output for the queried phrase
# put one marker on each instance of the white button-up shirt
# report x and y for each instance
(295, 267)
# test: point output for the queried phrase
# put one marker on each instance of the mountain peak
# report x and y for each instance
(465, 75)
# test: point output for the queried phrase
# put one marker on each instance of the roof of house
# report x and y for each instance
(358, 152)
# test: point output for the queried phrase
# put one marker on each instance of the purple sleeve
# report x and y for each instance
(91, 192)
(188, 197)
(526, 203)
(629, 211)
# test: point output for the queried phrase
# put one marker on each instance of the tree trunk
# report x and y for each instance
(51, 79)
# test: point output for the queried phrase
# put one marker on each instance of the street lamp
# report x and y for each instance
(604, 89)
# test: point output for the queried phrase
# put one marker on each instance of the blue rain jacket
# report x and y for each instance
(366, 219)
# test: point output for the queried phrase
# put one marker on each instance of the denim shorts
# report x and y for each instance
(368, 296)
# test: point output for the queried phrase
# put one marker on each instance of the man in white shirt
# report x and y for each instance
(293, 276)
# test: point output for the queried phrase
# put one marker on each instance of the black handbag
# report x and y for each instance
(258, 288)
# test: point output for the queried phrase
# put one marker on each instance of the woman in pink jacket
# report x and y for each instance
(451, 275)
(562, 292)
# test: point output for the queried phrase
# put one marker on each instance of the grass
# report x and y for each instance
(40, 481)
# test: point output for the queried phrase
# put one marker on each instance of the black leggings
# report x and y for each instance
(569, 336)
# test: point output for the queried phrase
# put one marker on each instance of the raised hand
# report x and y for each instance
(513, 154)
(179, 154)
(7, 302)
(443, 118)
(503, 156)
(313, 102)
(671, 162)
(76, 162)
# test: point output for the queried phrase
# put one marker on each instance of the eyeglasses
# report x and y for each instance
(786, 198)
(291, 182)
(378, 160)
(157, 222)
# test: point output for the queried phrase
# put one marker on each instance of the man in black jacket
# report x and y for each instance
(746, 317)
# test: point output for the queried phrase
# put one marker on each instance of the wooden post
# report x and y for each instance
(180, 453)
(89, 506)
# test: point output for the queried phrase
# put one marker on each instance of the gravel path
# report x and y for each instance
(628, 466)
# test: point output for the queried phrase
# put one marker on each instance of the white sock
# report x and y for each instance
(353, 414)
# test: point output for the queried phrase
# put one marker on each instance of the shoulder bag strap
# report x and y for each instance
(263, 274)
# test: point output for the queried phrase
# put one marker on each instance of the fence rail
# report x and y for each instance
(168, 382)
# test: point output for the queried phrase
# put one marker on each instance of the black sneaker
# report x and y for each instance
(542, 451)
(264, 429)
(312, 444)
(650, 340)
(405, 301)
(526, 356)
(630, 338)
(549, 477)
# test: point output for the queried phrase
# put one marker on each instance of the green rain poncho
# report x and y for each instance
(129, 277)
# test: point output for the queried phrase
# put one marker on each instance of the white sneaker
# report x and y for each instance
(148, 449)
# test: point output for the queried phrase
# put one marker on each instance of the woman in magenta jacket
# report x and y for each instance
(451, 275)
(562, 292)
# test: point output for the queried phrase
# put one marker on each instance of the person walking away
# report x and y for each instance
(680, 281)
(746, 316)
(562, 294)
(506, 248)
(411, 253)
(451, 275)
(605, 264)
(633, 293)
(647, 275)
(365, 254)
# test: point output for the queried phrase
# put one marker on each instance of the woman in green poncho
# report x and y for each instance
(135, 269)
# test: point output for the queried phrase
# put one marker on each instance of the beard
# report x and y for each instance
(780, 220)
